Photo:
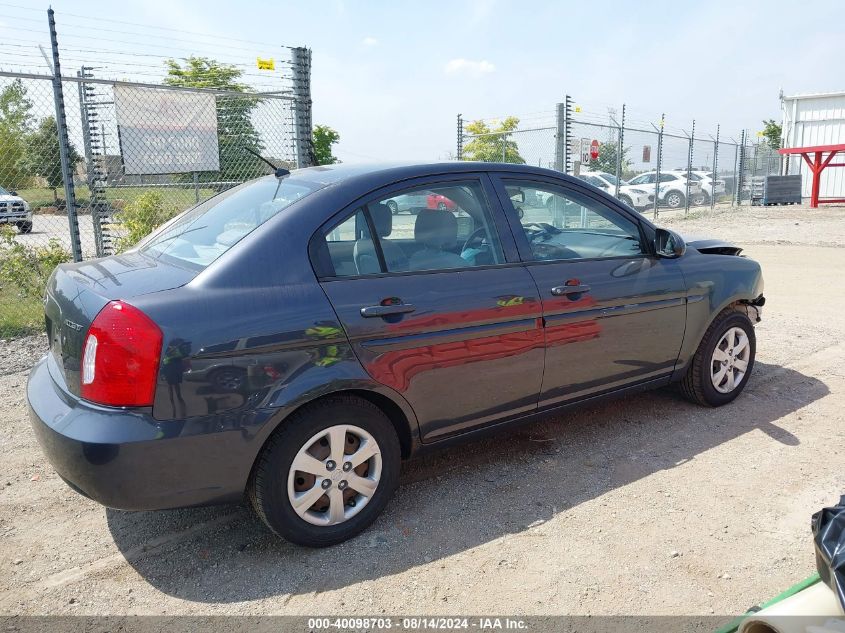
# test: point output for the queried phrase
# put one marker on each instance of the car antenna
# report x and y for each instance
(279, 171)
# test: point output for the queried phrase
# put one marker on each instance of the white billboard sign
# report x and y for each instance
(166, 131)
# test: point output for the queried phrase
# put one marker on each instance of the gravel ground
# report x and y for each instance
(647, 505)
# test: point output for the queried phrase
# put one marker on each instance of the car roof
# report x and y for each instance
(344, 172)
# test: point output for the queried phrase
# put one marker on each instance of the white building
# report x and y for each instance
(815, 119)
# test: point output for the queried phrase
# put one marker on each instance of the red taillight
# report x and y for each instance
(120, 357)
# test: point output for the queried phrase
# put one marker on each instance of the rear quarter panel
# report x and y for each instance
(259, 315)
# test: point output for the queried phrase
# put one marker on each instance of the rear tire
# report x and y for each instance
(626, 200)
(274, 475)
(394, 208)
(699, 384)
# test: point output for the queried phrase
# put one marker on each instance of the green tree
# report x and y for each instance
(142, 216)
(15, 121)
(493, 144)
(45, 158)
(324, 138)
(606, 160)
(772, 131)
(235, 130)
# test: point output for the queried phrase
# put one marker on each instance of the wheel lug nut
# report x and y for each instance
(327, 483)
(342, 485)
(330, 465)
(347, 466)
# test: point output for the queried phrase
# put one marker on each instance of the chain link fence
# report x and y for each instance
(650, 164)
(89, 166)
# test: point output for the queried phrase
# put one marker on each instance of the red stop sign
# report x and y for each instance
(594, 149)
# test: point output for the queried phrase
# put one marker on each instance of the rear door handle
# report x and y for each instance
(381, 311)
(560, 291)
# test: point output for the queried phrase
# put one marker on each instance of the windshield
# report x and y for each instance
(204, 233)
(612, 179)
(3, 192)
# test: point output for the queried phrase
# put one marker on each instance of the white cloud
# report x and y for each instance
(470, 67)
(369, 41)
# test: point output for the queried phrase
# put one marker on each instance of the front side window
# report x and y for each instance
(436, 227)
(570, 225)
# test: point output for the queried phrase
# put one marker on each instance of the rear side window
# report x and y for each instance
(435, 227)
(202, 234)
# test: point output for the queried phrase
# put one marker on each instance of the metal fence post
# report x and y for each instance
(715, 170)
(620, 150)
(560, 137)
(61, 127)
(689, 167)
(741, 168)
(303, 139)
(567, 136)
(460, 137)
(659, 162)
(95, 174)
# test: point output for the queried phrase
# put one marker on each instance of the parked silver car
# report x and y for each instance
(15, 210)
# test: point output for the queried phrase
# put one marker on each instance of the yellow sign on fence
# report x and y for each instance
(266, 64)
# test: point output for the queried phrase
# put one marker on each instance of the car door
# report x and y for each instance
(448, 317)
(614, 313)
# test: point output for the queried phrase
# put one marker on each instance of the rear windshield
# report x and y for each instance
(204, 233)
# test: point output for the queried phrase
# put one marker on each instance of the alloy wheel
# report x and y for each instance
(334, 475)
(730, 360)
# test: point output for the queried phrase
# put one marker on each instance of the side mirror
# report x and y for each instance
(669, 244)
(13, 193)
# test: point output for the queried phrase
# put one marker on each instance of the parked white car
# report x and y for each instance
(636, 197)
(15, 210)
(709, 185)
(672, 189)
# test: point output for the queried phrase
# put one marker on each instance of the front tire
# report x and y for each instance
(675, 199)
(394, 208)
(327, 473)
(626, 200)
(720, 368)
(25, 227)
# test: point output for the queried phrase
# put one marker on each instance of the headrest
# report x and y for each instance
(436, 228)
(382, 219)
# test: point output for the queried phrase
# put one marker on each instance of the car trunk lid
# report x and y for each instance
(77, 292)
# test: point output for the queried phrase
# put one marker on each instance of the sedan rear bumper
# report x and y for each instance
(124, 458)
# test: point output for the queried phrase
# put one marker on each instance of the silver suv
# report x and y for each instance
(15, 210)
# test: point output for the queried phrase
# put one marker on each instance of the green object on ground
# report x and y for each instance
(733, 625)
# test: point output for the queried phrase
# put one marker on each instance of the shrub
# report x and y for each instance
(141, 217)
(25, 269)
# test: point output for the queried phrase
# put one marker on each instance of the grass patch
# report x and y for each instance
(19, 315)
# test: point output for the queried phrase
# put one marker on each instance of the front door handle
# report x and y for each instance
(560, 291)
(382, 311)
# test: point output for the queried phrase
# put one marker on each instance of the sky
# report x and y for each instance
(391, 77)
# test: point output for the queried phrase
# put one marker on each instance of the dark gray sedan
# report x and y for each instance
(293, 340)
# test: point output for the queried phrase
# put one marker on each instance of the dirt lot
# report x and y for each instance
(647, 505)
